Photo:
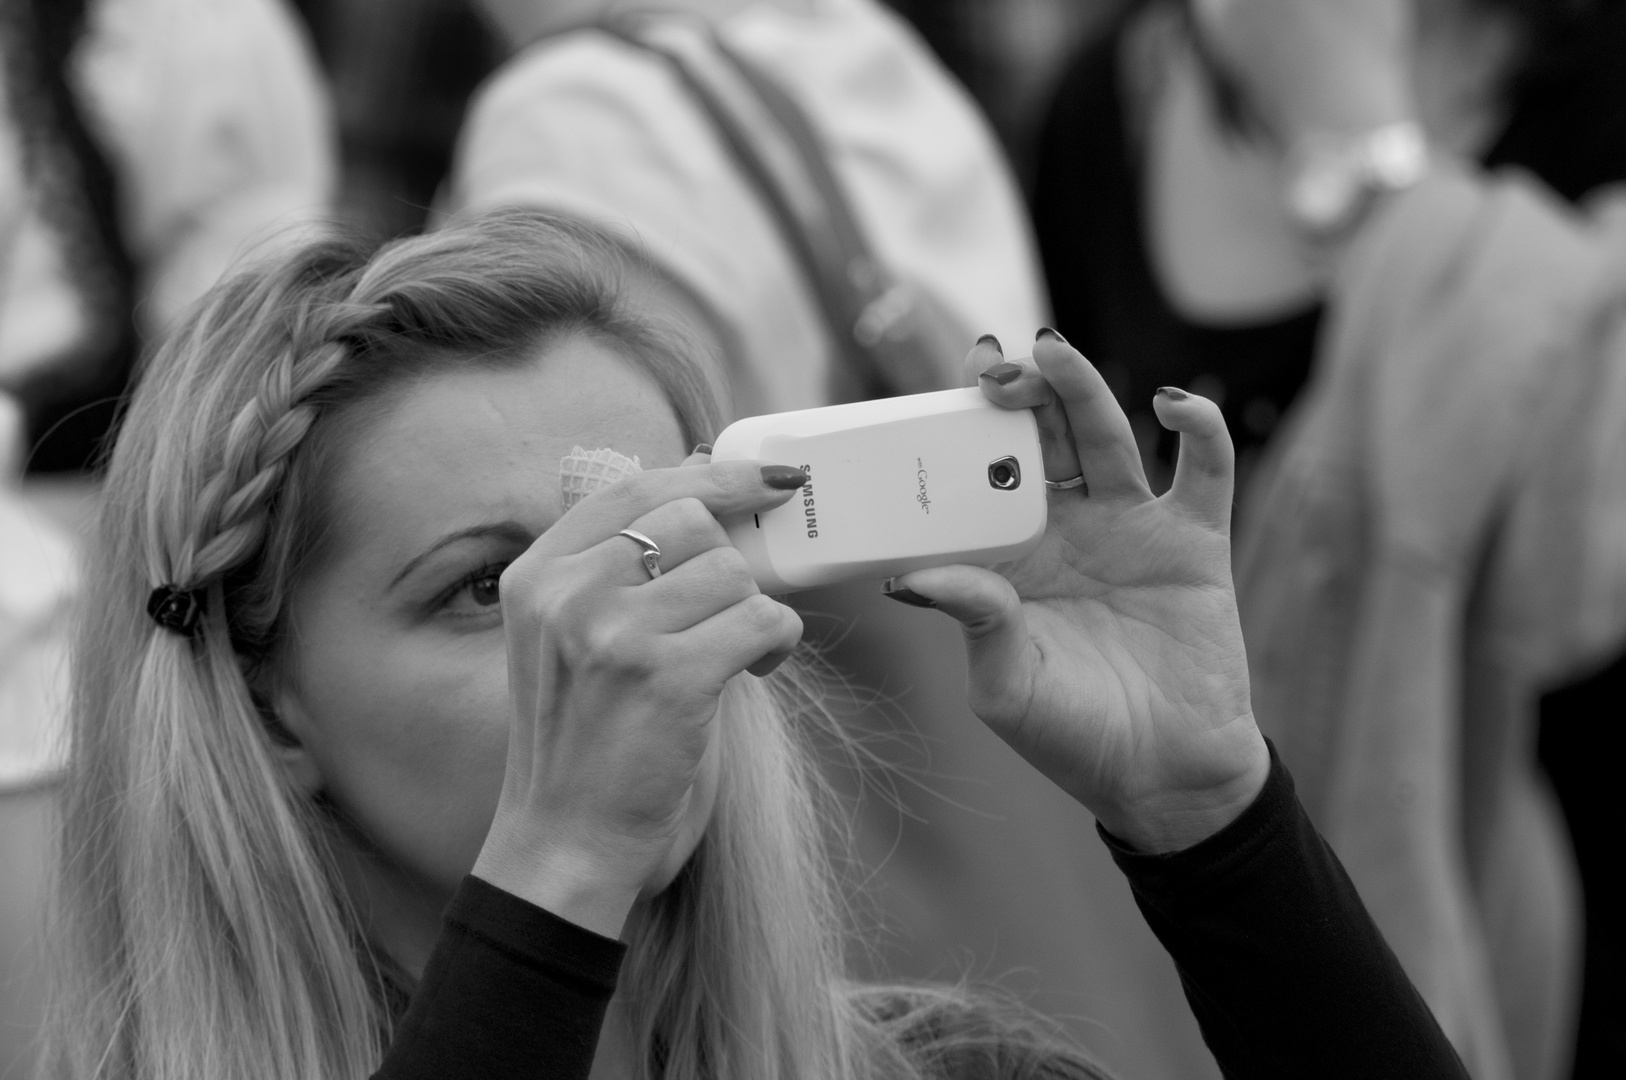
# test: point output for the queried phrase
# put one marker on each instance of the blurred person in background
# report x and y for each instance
(582, 122)
(144, 145)
(1158, 209)
(1299, 180)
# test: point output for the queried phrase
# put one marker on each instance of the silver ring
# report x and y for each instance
(651, 553)
(1065, 485)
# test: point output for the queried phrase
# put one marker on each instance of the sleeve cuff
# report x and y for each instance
(534, 936)
(508, 986)
(1272, 811)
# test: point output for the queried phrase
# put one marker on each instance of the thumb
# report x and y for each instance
(999, 651)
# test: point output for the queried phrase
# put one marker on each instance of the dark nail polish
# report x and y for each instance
(783, 477)
(1047, 331)
(989, 339)
(1003, 374)
(1173, 393)
(700, 448)
(906, 596)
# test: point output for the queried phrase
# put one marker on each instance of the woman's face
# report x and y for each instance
(396, 680)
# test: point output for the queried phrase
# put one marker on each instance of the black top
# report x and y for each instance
(1286, 972)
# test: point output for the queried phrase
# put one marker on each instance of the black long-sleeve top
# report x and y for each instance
(1286, 972)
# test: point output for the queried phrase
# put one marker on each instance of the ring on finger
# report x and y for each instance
(651, 556)
(1067, 485)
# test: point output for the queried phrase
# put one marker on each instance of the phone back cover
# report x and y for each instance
(906, 488)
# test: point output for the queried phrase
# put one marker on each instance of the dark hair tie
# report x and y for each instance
(180, 611)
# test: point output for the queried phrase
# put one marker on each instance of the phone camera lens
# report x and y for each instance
(1005, 474)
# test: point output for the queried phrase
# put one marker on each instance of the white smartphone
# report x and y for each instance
(893, 485)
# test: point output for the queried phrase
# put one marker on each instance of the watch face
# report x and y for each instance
(1334, 178)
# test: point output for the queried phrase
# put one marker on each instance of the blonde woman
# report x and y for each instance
(385, 762)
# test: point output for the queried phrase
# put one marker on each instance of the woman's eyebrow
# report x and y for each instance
(504, 530)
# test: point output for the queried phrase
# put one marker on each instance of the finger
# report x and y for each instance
(700, 455)
(769, 663)
(1101, 435)
(726, 488)
(986, 353)
(1205, 471)
(990, 614)
(747, 634)
(701, 572)
(711, 582)
(1017, 384)
(680, 530)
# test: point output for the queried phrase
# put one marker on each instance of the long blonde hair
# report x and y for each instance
(202, 931)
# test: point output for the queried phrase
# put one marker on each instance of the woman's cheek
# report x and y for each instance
(424, 771)
(464, 766)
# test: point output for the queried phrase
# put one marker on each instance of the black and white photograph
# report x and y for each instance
(812, 539)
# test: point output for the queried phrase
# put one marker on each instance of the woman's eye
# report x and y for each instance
(476, 594)
(483, 590)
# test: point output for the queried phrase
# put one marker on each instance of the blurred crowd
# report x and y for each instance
(1398, 265)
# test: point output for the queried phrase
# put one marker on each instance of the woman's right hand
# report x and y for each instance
(615, 680)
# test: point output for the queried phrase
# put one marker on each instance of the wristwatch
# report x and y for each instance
(1334, 178)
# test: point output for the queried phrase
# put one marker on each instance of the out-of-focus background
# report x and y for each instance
(402, 72)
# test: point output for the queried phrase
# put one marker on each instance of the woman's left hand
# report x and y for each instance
(1111, 658)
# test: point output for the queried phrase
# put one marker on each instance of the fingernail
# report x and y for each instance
(1044, 330)
(1173, 393)
(700, 448)
(1003, 374)
(905, 596)
(783, 477)
(989, 339)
